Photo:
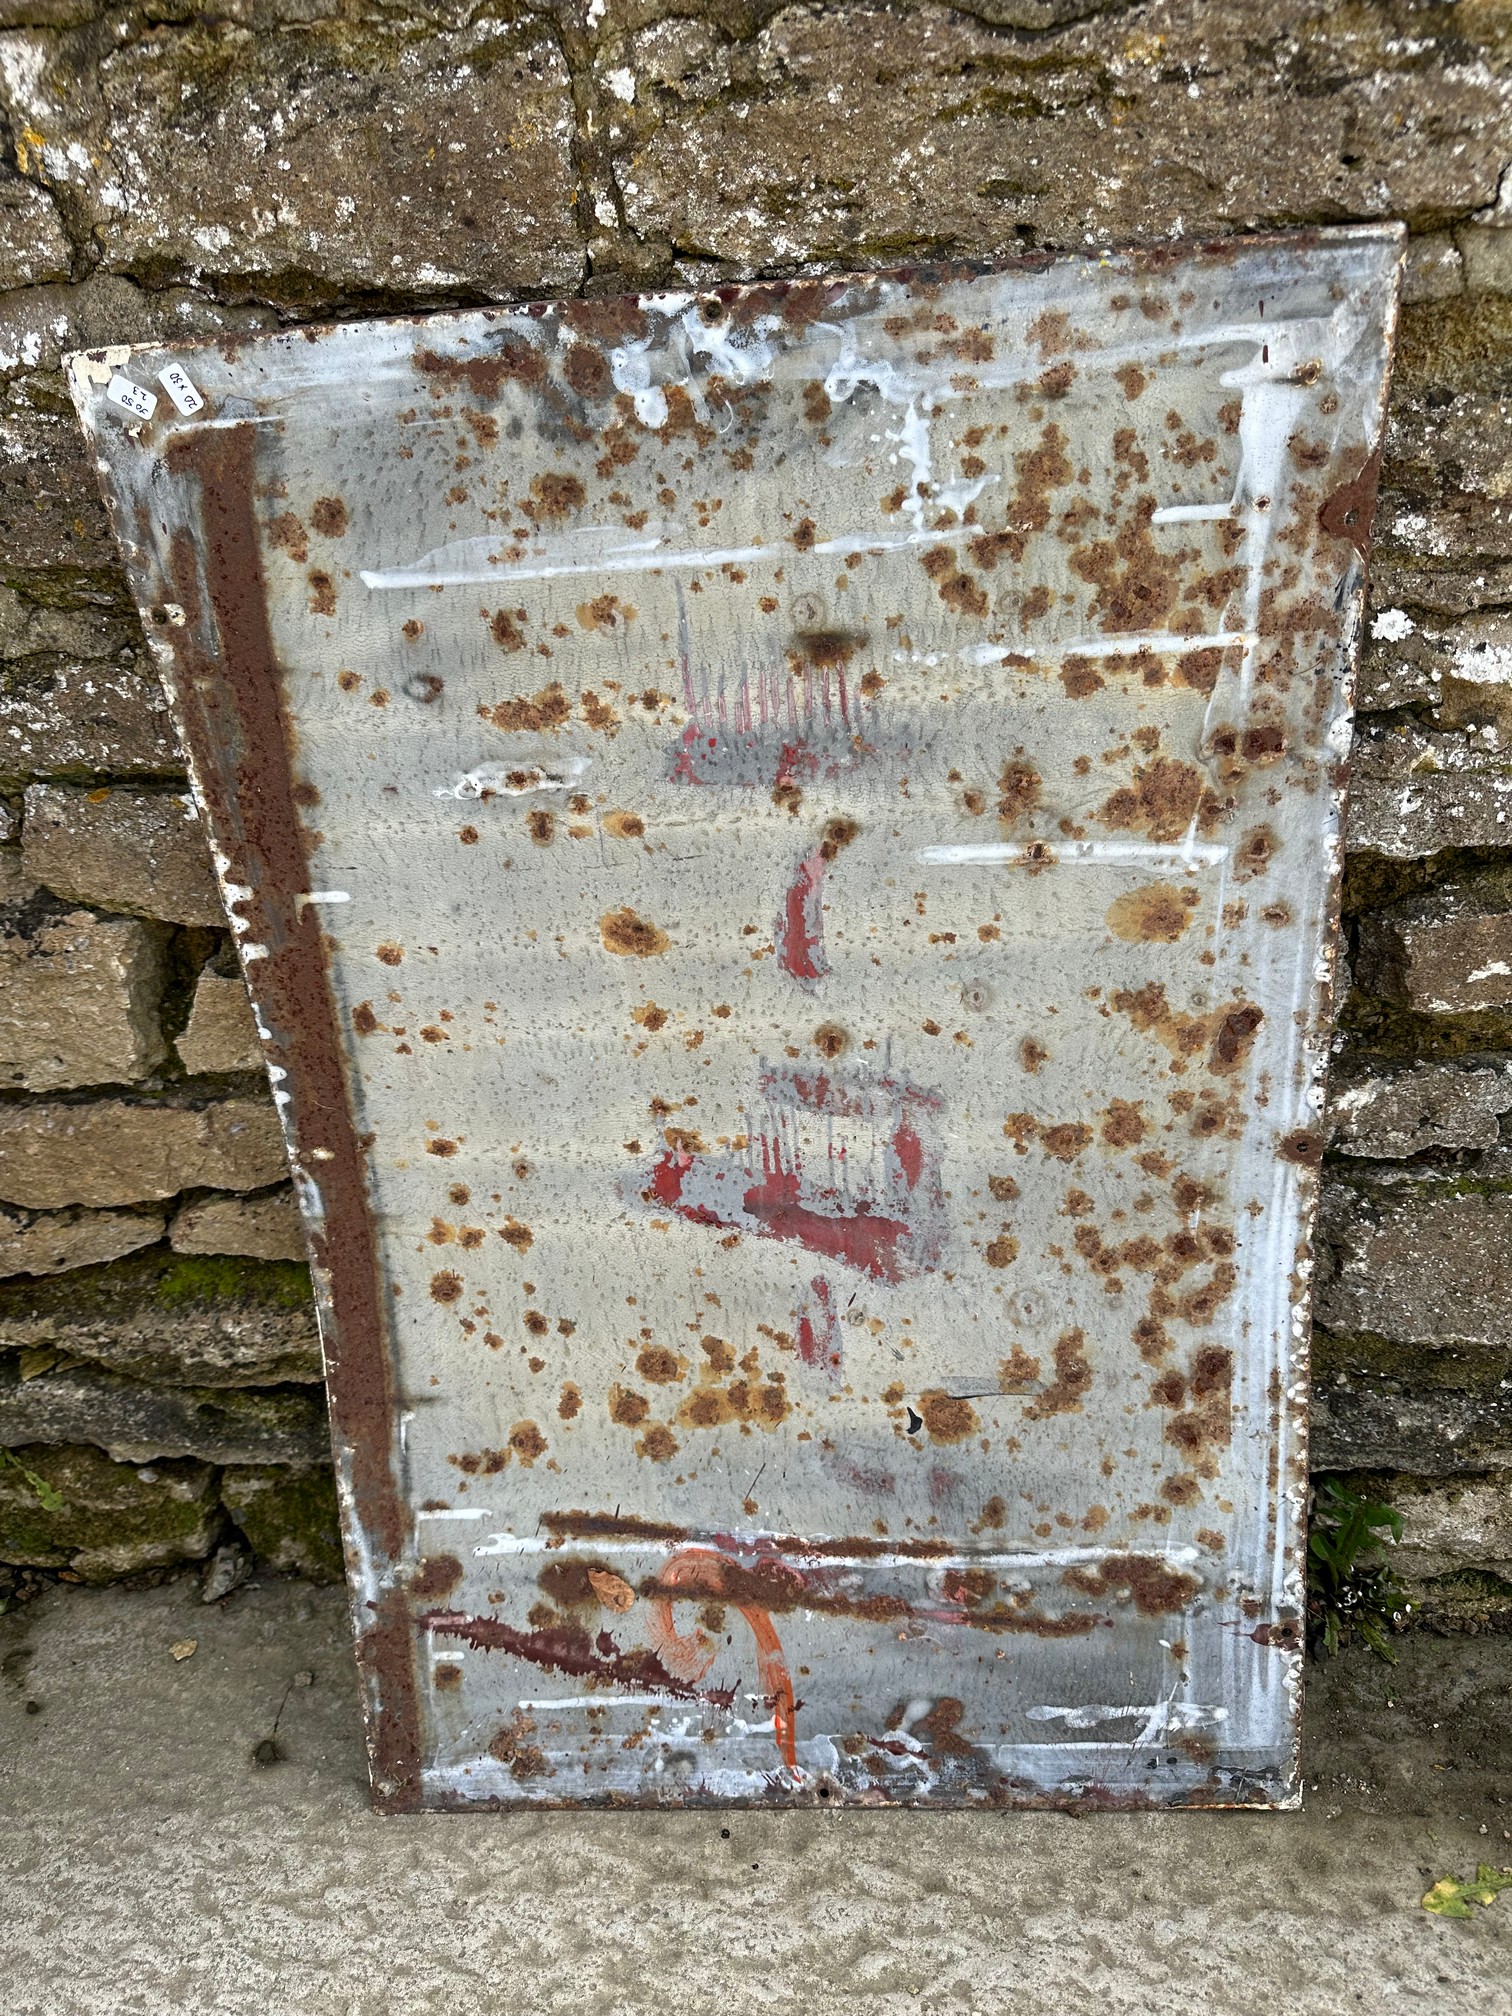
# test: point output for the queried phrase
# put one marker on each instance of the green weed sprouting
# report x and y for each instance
(49, 1499)
(1351, 1586)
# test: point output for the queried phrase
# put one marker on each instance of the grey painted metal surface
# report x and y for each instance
(785, 843)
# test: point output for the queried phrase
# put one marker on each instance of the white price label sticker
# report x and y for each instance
(180, 388)
(133, 399)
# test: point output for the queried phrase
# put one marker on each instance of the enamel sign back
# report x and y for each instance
(785, 846)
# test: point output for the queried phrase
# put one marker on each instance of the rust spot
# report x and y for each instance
(1066, 1141)
(1002, 1251)
(1073, 1379)
(659, 1366)
(569, 1402)
(946, 1418)
(288, 533)
(485, 377)
(830, 1040)
(1252, 857)
(627, 1409)
(658, 1444)
(599, 715)
(1003, 1188)
(624, 825)
(1080, 677)
(1157, 914)
(940, 1727)
(1020, 788)
(804, 534)
(1234, 1037)
(390, 954)
(1350, 512)
(527, 1442)
(1123, 1123)
(587, 371)
(1017, 1373)
(1156, 1589)
(541, 826)
(547, 709)
(329, 517)
(323, 595)
(437, 1576)
(364, 1021)
(513, 1233)
(1301, 1147)
(1165, 800)
(446, 1287)
(630, 936)
(557, 494)
(956, 588)
(838, 835)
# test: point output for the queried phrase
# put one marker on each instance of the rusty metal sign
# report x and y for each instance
(785, 844)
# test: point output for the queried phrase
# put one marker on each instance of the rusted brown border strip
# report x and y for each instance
(241, 745)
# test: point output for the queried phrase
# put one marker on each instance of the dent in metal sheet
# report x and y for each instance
(785, 847)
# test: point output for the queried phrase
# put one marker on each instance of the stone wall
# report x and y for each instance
(195, 170)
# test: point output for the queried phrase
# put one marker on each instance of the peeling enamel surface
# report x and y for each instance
(789, 895)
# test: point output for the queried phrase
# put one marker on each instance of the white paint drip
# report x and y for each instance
(1185, 854)
(490, 780)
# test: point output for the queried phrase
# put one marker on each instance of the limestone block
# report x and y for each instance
(55, 1242)
(289, 1516)
(60, 717)
(831, 133)
(79, 1003)
(135, 1421)
(329, 161)
(33, 245)
(115, 1518)
(1422, 1260)
(140, 851)
(1413, 791)
(263, 1228)
(194, 1320)
(221, 1034)
(1401, 1113)
(1445, 952)
(113, 1151)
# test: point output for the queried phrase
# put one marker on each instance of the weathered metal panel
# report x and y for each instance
(785, 843)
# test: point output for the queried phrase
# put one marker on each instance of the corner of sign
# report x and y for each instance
(88, 368)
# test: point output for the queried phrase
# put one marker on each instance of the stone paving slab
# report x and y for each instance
(149, 1864)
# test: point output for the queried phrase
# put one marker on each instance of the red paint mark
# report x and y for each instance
(866, 1192)
(800, 930)
(819, 1333)
(909, 1150)
(861, 1240)
(777, 726)
(700, 1572)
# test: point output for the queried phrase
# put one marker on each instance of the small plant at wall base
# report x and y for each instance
(49, 1499)
(1351, 1586)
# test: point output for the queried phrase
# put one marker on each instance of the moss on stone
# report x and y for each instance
(1463, 344)
(1471, 1599)
(160, 1278)
(289, 1517)
(1364, 1357)
(1388, 1029)
(115, 1519)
